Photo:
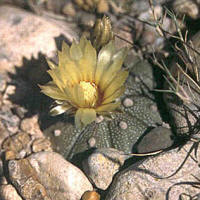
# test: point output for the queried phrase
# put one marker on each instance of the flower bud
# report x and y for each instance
(102, 32)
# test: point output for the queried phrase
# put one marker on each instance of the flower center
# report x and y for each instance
(90, 92)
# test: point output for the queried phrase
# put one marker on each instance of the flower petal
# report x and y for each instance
(116, 83)
(59, 109)
(104, 59)
(70, 93)
(115, 95)
(75, 51)
(91, 56)
(84, 116)
(113, 69)
(78, 117)
(51, 90)
(107, 107)
(65, 48)
(88, 116)
(68, 69)
(78, 95)
(55, 75)
(82, 43)
(51, 64)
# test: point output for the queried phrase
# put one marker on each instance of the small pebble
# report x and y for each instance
(90, 195)
(123, 125)
(128, 102)
(2, 84)
(3, 181)
(10, 121)
(41, 144)
(20, 111)
(31, 126)
(10, 90)
(69, 10)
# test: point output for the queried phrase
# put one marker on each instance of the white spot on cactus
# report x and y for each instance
(137, 80)
(123, 125)
(128, 102)
(153, 108)
(57, 132)
(99, 119)
(92, 142)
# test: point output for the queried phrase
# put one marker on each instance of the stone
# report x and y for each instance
(15, 93)
(17, 146)
(158, 138)
(47, 175)
(41, 144)
(8, 192)
(10, 90)
(186, 7)
(31, 126)
(158, 177)
(102, 165)
(10, 121)
(24, 34)
(69, 9)
(25, 180)
(90, 195)
(3, 83)
(1, 170)
(4, 133)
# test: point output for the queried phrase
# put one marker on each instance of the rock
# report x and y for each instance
(8, 192)
(10, 121)
(157, 139)
(31, 126)
(25, 180)
(17, 146)
(186, 7)
(24, 34)
(69, 9)
(20, 111)
(41, 144)
(15, 93)
(4, 133)
(47, 175)
(3, 83)
(101, 166)
(141, 180)
(90, 195)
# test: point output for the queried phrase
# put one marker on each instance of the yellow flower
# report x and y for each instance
(85, 84)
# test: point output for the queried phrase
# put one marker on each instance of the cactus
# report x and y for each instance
(124, 129)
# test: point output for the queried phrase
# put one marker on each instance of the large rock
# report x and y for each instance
(158, 177)
(102, 165)
(8, 192)
(25, 35)
(46, 175)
